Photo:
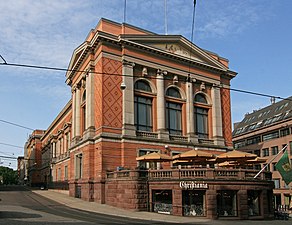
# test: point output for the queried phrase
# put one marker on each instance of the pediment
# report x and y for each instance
(179, 46)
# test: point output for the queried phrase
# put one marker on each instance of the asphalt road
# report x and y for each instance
(20, 206)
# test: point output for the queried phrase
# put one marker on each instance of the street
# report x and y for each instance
(20, 206)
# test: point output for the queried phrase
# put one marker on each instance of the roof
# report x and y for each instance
(270, 115)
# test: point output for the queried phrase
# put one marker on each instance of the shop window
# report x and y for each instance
(227, 203)
(253, 201)
(193, 203)
(162, 201)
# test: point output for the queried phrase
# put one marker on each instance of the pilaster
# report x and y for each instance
(162, 133)
(127, 88)
(217, 116)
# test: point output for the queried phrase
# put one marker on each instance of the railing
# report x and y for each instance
(190, 173)
(146, 134)
(178, 138)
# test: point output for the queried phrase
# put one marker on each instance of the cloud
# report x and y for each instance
(220, 19)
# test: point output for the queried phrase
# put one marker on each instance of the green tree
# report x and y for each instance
(8, 175)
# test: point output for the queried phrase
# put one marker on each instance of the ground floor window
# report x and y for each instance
(162, 201)
(253, 201)
(277, 201)
(193, 202)
(227, 203)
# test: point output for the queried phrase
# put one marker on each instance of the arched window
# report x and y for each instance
(201, 116)
(173, 112)
(143, 106)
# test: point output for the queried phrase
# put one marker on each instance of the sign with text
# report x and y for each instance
(193, 185)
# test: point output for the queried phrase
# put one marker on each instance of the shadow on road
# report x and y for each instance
(17, 215)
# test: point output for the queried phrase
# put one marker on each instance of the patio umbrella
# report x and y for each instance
(228, 164)
(194, 155)
(235, 155)
(154, 157)
(257, 160)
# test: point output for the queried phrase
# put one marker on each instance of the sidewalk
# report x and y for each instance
(65, 199)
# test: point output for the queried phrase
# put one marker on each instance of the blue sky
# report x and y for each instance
(255, 35)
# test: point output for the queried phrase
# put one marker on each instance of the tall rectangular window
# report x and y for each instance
(66, 173)
(173, 118)
(265, 152)
(201, 116)
(275, 150)
(143, 113)
(78, 166)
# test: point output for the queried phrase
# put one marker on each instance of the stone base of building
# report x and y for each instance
(236, 197)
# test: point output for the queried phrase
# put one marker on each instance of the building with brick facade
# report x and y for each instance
(135, 92)
(266, 132)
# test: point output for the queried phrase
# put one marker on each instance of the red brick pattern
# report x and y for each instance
(112, 95)
(226, 116)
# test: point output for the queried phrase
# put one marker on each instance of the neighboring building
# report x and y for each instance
(33, 158)
(265, 132)
(20, 169)
(136, 92)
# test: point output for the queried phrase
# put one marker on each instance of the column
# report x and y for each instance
(162, 133)
(73, 111)
(128, 99)
(54, 149)
(190, 113)
(77, 112)
(89, 123)
(217, 116)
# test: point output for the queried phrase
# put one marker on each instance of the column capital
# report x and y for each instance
(128, 63)
(161, 73)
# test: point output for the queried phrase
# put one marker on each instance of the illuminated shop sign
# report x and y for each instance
(193, 185)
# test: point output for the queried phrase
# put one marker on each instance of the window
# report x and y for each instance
(67, 141)
(83, 112)
(143, 107)
(253, 140)
(66, 173)
(265, 152)
(59, 174)
(147, 165)
(257, 152)
(277, 183)
(227, 203)
(284, 132)
(270, 136)
(253, 201)
(173, 112)
(78, 166)
(201, 116)
(275, 150)
(193, 202)
(162, 201)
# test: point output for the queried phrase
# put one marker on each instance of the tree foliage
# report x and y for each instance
(8, 175)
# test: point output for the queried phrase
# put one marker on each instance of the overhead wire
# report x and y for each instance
(128, 75)
(15, 124)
